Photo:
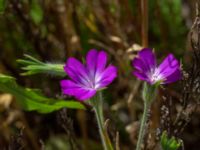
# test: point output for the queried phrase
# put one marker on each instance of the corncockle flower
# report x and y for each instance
(87, 79)
(146, 68)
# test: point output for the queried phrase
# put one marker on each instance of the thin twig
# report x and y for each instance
(117, 141)
(144, 12)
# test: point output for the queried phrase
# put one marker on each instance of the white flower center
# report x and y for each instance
(92, 81)
(155, 75)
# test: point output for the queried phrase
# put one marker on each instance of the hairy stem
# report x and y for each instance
(142, 126)
(97, 103)
(148, 94)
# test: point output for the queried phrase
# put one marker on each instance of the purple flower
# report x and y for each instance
(87, 79)
(147, 69)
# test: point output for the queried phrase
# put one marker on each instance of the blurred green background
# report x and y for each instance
(51, 31)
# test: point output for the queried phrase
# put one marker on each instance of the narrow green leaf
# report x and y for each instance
(33, 66)
(33, 100)
(32, 59)
(26, 62)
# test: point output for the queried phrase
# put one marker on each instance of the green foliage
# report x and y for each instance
(2, 6)
(32, 100)
(33, 66)
(169, 143)
(36, 12)
(167, 29)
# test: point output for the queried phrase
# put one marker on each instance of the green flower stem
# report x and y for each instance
(148, 93)
(97, 103)
(142, 126)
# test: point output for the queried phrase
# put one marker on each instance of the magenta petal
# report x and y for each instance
(148, 58)
(140, 75)
(107, 76)
(169, 65)
(84, 94)
(76, 71)
(91, 61)
(139, 65)
(173, 77)
(73, 89)
(101, 61)
(69, 87)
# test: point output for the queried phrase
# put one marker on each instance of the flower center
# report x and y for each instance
(92, 81)
(155, 76)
